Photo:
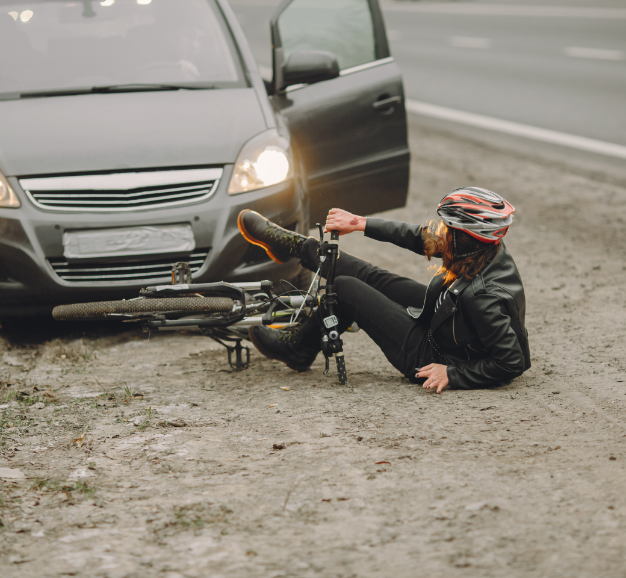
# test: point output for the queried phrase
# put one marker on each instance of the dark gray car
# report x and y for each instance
(135, 131)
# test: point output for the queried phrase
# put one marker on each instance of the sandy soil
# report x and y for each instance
(177, 471)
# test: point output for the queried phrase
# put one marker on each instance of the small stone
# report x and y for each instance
(12, 360)
(476, 506)
(10, 474)
(176, 423)
(80, 474)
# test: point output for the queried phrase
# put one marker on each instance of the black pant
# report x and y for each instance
(377, 300)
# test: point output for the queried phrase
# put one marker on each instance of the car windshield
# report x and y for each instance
(51, 45)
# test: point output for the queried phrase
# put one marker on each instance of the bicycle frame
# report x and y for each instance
(234, 327)
(234, 309)
(255, 304)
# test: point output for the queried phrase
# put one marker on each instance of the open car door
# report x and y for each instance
(348, 124)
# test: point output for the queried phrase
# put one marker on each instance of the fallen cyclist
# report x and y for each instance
(464, 330)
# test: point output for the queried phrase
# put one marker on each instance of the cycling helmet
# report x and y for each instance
(483, 214)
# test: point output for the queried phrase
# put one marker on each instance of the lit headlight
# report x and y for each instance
(263, 161)
(8, 199)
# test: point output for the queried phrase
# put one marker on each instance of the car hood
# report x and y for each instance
(103, 132)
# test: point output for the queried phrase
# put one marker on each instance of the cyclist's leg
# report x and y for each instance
(401, 290)
(403, 340)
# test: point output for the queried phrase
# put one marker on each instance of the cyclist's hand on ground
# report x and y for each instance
(344, 222)
(437, 375)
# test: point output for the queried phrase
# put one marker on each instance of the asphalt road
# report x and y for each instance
(561, 68)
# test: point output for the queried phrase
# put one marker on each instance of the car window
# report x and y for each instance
(343, 27)
(66, 44)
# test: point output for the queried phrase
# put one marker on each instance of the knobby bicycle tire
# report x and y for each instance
(102, 309)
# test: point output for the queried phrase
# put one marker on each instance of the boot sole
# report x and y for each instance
(252, 240)
(269, 355)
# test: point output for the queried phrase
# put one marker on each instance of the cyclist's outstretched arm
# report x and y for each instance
(405, 235)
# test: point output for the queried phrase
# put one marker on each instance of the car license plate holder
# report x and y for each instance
(128, 241)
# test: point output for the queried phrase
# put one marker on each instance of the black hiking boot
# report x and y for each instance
(285, 346)
(280, 244)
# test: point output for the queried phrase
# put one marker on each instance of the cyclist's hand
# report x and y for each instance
(344, 222)
(437, 375)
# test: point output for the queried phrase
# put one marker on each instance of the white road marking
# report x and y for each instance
(254, 2)
(517, 129)
(504, 10)
(469, 42)
(593, 53)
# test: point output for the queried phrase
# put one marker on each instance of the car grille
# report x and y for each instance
(129, 271)
(122, 191)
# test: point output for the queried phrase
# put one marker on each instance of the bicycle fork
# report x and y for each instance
(332, 345)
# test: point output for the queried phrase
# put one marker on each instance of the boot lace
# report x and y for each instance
(288, 336)
(292, 241)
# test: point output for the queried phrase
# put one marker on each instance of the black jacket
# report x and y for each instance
(480, 328)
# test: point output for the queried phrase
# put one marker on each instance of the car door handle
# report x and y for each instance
(386, 102)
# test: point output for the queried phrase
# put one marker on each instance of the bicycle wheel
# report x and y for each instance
(102, 309)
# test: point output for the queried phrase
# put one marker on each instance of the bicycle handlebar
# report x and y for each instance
(331, 340)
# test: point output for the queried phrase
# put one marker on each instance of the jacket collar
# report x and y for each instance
(459, 285)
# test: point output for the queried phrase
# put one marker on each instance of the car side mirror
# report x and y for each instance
(309, 67)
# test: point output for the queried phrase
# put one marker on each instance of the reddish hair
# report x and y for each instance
(438, 241)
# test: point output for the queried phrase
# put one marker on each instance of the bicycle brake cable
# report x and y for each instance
(294, 317)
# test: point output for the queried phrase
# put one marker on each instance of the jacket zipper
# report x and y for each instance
(454, 335)
(453, 332)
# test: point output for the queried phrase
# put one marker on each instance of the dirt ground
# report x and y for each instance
(132, 457)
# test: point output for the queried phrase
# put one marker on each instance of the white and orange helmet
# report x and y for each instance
(483, 214)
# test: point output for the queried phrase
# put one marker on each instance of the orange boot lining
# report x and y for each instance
(254, 241)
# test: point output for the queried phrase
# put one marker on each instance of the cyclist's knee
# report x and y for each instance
(345, 286)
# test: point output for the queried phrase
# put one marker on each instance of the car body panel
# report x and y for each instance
(355, 152)
(355, 157)
(248, 62)
(109, 132)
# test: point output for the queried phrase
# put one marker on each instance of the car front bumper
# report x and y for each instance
(30, 238)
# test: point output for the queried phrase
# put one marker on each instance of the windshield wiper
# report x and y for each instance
(114, 88)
